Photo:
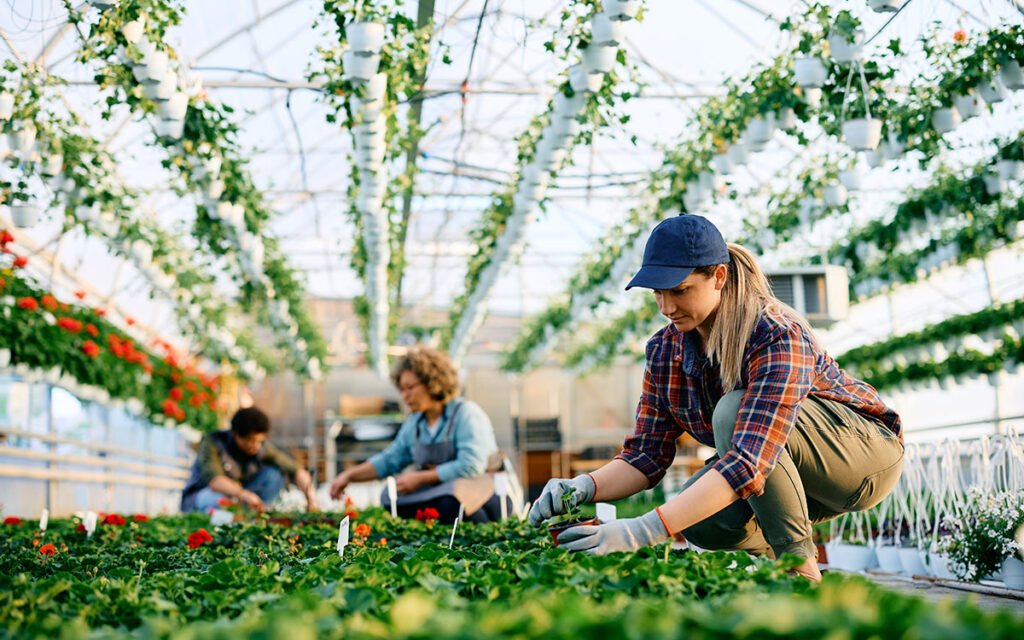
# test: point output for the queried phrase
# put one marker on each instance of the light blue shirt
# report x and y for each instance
(471, 433)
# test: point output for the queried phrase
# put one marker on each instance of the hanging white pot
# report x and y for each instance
(886, 6)
(810, 72)
(237, 217)
(533, 174)
(852, 179)
(1012, 75)
(143, 252)
(212, 165)
(606, 32)
(563, 128)
(1008, 170)
(862, 134)
(722, 163)
(597, 59)
(621, 9)
(567, 107)
(835, 195)
(174, 108)
(994, 185)
(6, 106)
(359, 68)
(553, 160)
(580, 80)
(365, 37)
(874, 159)
(134, 29)
(843, 51)
(214, 189)
(785, 118)
(534, 192)
(24, 215)
(692, 200)
(945, 120)
(761, 128)
(365, 111)
(172, 129)
(103, 4)
(738, 154)
(163, 89)
(992, 91)
(22, 140)
(53, 165)
(153, 67)
(812, 96)
(969, 104)
(5, 358)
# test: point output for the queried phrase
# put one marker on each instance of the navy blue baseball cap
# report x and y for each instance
(676, 247)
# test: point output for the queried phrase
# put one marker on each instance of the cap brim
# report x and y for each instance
(656, 277)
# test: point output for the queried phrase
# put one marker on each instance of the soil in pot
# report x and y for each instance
(556, 529)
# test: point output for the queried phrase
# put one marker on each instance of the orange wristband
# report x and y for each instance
(665, 524)
(594, 480)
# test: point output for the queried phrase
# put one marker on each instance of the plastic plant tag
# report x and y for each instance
(220, 516)
(525, 513)
(90, 523)
(343, 535)
(455, 525)
(44, 519)
(393, 496)
(605, 512)
(501, 490)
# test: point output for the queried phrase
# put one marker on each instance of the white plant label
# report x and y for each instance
(455, 526)
(342, 535)
(44, 519)
(220, 516)
(501, 490)
(605, 512)
(90, 523)
(393, 495)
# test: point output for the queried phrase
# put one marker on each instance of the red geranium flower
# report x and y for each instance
(80, 294)
(130, 321)
(959, 36)
(100, 311)
(3, 283)
(29, 304)
(114, 519)
(49, 302)
(352, 514)
(12, 520)
(225, 502)
(92, 330)
(140, 517)
(80, 528)
(428, 514)
(69, 324)
(91, 349)
(5, 237)
(20, 262)
(47, 550)
(362, 530)
(177, 394)
(197, 539)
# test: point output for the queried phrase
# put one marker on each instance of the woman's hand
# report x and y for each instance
(411, 481)
(252, 501)
(339, 484)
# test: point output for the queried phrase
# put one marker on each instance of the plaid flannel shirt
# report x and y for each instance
(782, 365)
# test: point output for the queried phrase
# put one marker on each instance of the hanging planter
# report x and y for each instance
(215, 189)
(621, 9)
(969, 104)
(892, 147)
(862, 134)
(162, 90)
(886, 6)
(375, 88)
(174, 108)
(5, 358)
(835, 195)
(738, 154)
(6, 106)
(810, 72)
(564, 128)
(1008, 170)
(843, 50)
(606, 32)
(568, 107)
(580, 80)
(760, 130)
(134, 29)
(24, 215)
(722, 163)
(1012, 75)
(54, 165)
(692, 199)
(785, 118)
(533, 174)
(874, 159)
(994, 185)
(365, 111)
(945, 120)
(597, 59)
(365, 37)
(153, 67)
(992, 90)
(172, 129)
(852, 179)
(22, 140)
(359, 68)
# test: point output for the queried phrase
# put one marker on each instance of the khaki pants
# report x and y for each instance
(835, 461)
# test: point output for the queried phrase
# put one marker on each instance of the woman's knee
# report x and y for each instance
(723, 420)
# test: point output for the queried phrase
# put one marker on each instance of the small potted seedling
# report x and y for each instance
(571, 518)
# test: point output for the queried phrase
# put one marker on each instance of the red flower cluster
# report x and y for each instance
(140, 517)
(69, 324)
(80, 294)
(362, 530)
(20, 261)
(125, 350)
(171, 409)
(49, 302)
(5, 237)
(114, 519)
(47, 550)
(352, 514)
(959, 36)
(176, 394)
(28, 304)
(91, 349)
(199, 538)
(80, 528)
(428, 514)
(225, 502)
(12, 520)
(3, 283)
(92, 330)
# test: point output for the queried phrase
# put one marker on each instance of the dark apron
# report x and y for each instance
(472, 493)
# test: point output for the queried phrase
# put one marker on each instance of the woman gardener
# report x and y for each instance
(798, 440)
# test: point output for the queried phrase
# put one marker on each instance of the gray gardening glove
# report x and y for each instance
(628, 534)
(549, 503)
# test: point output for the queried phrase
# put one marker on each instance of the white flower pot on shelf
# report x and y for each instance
(693, 199)
(365, 37)
(134, 29)
(24, 215)
(738, 154)
(581, 80)
(913, 563)
(969, 105)
(722, 163)
(1013, 573)
(992, 91)
(945, 120)
(889, 558)
(606, 32)
(851, 557)
(812, 96)
(6, 106)
(597, 59)
(886, 6)
(359, 68)
(1012, 75)
(785, 118)
(761, 128)
(1009, 170)
(621, 9)
(852, 179)
(843, 51)
(835, 195)
(174, 108)
(21, 140)
(810, 72)
(938, 564)
(862, 134)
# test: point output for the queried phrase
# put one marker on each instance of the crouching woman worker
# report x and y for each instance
(241, 464)
(798, 440)
(449, 441)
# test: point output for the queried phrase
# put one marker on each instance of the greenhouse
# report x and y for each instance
(492, 318)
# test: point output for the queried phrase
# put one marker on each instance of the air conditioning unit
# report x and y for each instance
(819, 293)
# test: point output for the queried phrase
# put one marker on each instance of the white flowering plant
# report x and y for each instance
(983, 537)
